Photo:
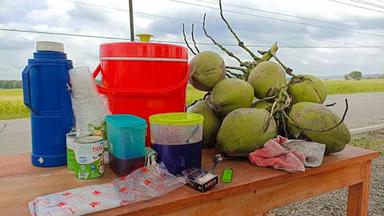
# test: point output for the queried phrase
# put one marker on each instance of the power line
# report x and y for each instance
(292, 16)
(63, 34)
(356, 6)
(164, 17)
(239, 12)
(182, 42)
(368, 4)
(135, 12)
(278, 19)
(193, 21)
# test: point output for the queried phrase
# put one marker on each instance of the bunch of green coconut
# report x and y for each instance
(242, 112)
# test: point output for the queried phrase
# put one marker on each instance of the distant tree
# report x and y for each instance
(8, 84)
(354, 75)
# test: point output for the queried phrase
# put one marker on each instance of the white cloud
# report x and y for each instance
(70, 17)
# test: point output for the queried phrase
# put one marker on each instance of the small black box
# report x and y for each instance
(199, 179)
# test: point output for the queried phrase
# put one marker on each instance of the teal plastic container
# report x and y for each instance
(126, 135)
(126, 142)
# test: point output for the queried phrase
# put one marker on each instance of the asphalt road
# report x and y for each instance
(365, 109)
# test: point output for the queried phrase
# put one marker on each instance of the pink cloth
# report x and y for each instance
(273, 154)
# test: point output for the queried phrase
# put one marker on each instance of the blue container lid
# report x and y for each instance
(126, 120)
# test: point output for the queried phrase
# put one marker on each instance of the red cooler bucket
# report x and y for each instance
(143, 78)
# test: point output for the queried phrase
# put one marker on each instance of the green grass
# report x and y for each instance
(373, 140)
(354, 86)
(11, 105)
(193, 94)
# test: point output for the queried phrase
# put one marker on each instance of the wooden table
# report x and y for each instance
(253, 190)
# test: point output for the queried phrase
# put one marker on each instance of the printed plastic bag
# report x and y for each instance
(142, 184)
(77, 201)
(146, 183)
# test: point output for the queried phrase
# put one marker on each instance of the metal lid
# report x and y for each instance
(88, 139)
(49, 46)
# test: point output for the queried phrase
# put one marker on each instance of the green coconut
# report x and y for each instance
(317, 118)
(211, 123)
(206, 69)
(230, 94)
(267, 78)
(244, 130)
(307, 88)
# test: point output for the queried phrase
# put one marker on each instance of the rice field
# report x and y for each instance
(354, 86)
(12, 106)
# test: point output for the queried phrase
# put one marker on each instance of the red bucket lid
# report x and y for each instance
(140, 49)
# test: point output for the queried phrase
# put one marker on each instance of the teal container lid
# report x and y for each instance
(126, 120)
(178, 118)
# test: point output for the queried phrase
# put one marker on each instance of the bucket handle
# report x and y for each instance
(96, 72)
(103, 90)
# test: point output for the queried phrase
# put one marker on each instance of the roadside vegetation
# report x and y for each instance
(373, 140)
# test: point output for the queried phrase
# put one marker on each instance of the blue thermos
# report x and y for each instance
(47, 94)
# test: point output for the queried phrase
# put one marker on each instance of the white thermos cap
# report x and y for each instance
(49, 46)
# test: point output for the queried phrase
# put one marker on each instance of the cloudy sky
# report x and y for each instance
(321, 37)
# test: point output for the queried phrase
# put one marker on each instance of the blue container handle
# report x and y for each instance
(27, 88)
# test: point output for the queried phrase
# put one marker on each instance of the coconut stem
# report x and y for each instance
(262, 52)
(228, 74)
(206, 95)
(282, 102)
(237, 68)
(231, 74)
(284, 124)
(219, 45)
(267, 98)
(193, 103)
(287, 69)
(331, 104)
(193, 38)
(270, 53)
(186, 41)
(240, 43)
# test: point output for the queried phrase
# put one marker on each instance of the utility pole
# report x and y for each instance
(131, 29)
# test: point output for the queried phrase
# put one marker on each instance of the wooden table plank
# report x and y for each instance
(358, 194)
(261, 200)
(20, 182)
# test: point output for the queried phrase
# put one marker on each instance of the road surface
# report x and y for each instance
(365, 109)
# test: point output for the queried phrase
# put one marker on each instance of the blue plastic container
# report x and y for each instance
(126, 142)
(46, 93)
(177, 138)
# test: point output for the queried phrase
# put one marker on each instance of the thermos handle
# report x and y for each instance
(27, 87)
